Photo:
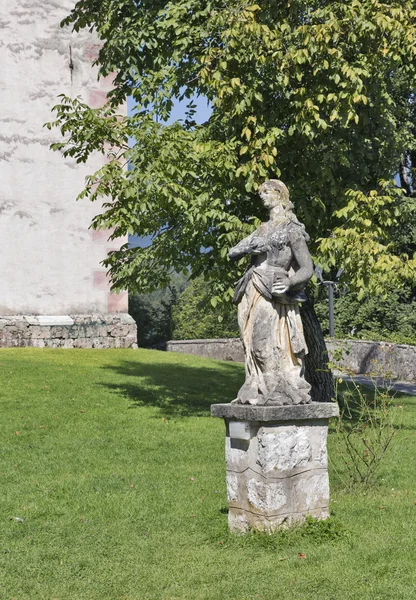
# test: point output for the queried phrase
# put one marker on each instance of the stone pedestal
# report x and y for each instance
(276, 461)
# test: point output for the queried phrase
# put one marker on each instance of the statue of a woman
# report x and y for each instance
(268, 297)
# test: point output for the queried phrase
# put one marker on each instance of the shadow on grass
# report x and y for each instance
(181, 390)
(177, 390)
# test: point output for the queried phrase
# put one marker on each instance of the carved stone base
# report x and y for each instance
(276, 462)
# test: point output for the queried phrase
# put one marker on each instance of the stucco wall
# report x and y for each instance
(360, 356)
(49, 260)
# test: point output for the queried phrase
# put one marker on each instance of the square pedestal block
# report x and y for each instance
(276, 463)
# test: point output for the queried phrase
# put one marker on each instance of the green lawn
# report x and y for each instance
(113, 487)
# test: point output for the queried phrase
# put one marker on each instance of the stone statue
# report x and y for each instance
(268, 297)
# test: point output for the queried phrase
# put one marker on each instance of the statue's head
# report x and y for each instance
(274, 192)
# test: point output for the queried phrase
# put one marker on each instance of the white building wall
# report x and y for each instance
(49, 259)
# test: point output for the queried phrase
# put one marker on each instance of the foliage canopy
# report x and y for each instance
(317, 93)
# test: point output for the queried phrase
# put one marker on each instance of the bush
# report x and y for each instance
(195, 318)
(366, 426)
(153, 313)
(391, 319)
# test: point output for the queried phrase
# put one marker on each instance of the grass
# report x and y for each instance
(112, 487)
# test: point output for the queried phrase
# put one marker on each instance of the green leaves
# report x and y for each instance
(361, 244)
(319, 94)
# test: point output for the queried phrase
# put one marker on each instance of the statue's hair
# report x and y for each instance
(278, 186)
(281, 189)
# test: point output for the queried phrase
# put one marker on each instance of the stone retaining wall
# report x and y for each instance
(74, 331)
(397, 361)
(220, 349)
(360, 356)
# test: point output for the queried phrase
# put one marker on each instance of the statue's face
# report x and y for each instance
(269, 197)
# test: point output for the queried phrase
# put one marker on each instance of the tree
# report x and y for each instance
(195, 318)
(391, 318)
(153, 312)
(319, 93)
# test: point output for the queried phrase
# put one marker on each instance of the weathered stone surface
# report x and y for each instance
(237, 521)
(319, 451)
(76, 331)
(268, 297)
(221, 349)
(52, 320)
(232, 487)
(58, 331)
(310, 491)
(284, 448)
(241, 522)
(36, 343)
(266, 496)
(279, 475)
(119, 330)
(50, 261)
(395, 361)
(236, 454)
(318, 410)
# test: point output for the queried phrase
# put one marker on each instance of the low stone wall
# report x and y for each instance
(69, 331)
(360, 356)
(397, 361)
(220, 349)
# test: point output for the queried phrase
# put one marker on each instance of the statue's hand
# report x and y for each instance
(234, 254)
(280, 286)
(258, 247)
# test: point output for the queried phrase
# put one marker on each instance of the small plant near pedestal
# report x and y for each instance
(366, 426)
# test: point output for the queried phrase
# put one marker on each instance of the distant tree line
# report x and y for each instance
(183, 311)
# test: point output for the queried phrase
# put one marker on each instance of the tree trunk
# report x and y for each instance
(404, 173)
(317, 372)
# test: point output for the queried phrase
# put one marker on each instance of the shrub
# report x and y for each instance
(366, 427)
(391, 319)
(153, 313)
(195, 318)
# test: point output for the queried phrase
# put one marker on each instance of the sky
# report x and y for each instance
(203, 110)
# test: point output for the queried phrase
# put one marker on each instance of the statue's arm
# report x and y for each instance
(253, 244)
(303, 258)
(304, 272)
